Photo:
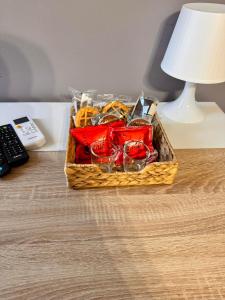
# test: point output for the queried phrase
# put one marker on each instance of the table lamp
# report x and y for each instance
(195, 54)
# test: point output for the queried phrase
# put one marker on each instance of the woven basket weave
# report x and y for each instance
(80, 176)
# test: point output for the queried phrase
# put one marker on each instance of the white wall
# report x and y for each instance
(111, 45)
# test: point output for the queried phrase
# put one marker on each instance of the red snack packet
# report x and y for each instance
(82, 154)
(121, 135)
(136, 150)
(85, 136)
(119, 123)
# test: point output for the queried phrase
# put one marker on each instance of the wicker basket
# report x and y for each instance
(80, 176)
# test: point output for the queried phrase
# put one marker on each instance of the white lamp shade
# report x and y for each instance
(196, 51)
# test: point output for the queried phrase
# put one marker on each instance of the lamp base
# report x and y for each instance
(184, 109)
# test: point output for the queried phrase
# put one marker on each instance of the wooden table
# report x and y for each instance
(158, 242)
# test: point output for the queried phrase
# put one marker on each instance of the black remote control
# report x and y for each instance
(12, 149)
(4, 166)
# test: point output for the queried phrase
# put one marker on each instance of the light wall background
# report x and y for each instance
(109, 45)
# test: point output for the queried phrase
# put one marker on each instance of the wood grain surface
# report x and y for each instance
(156, 242)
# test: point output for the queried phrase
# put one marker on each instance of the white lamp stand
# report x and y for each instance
(195, 54)
(184, 109)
